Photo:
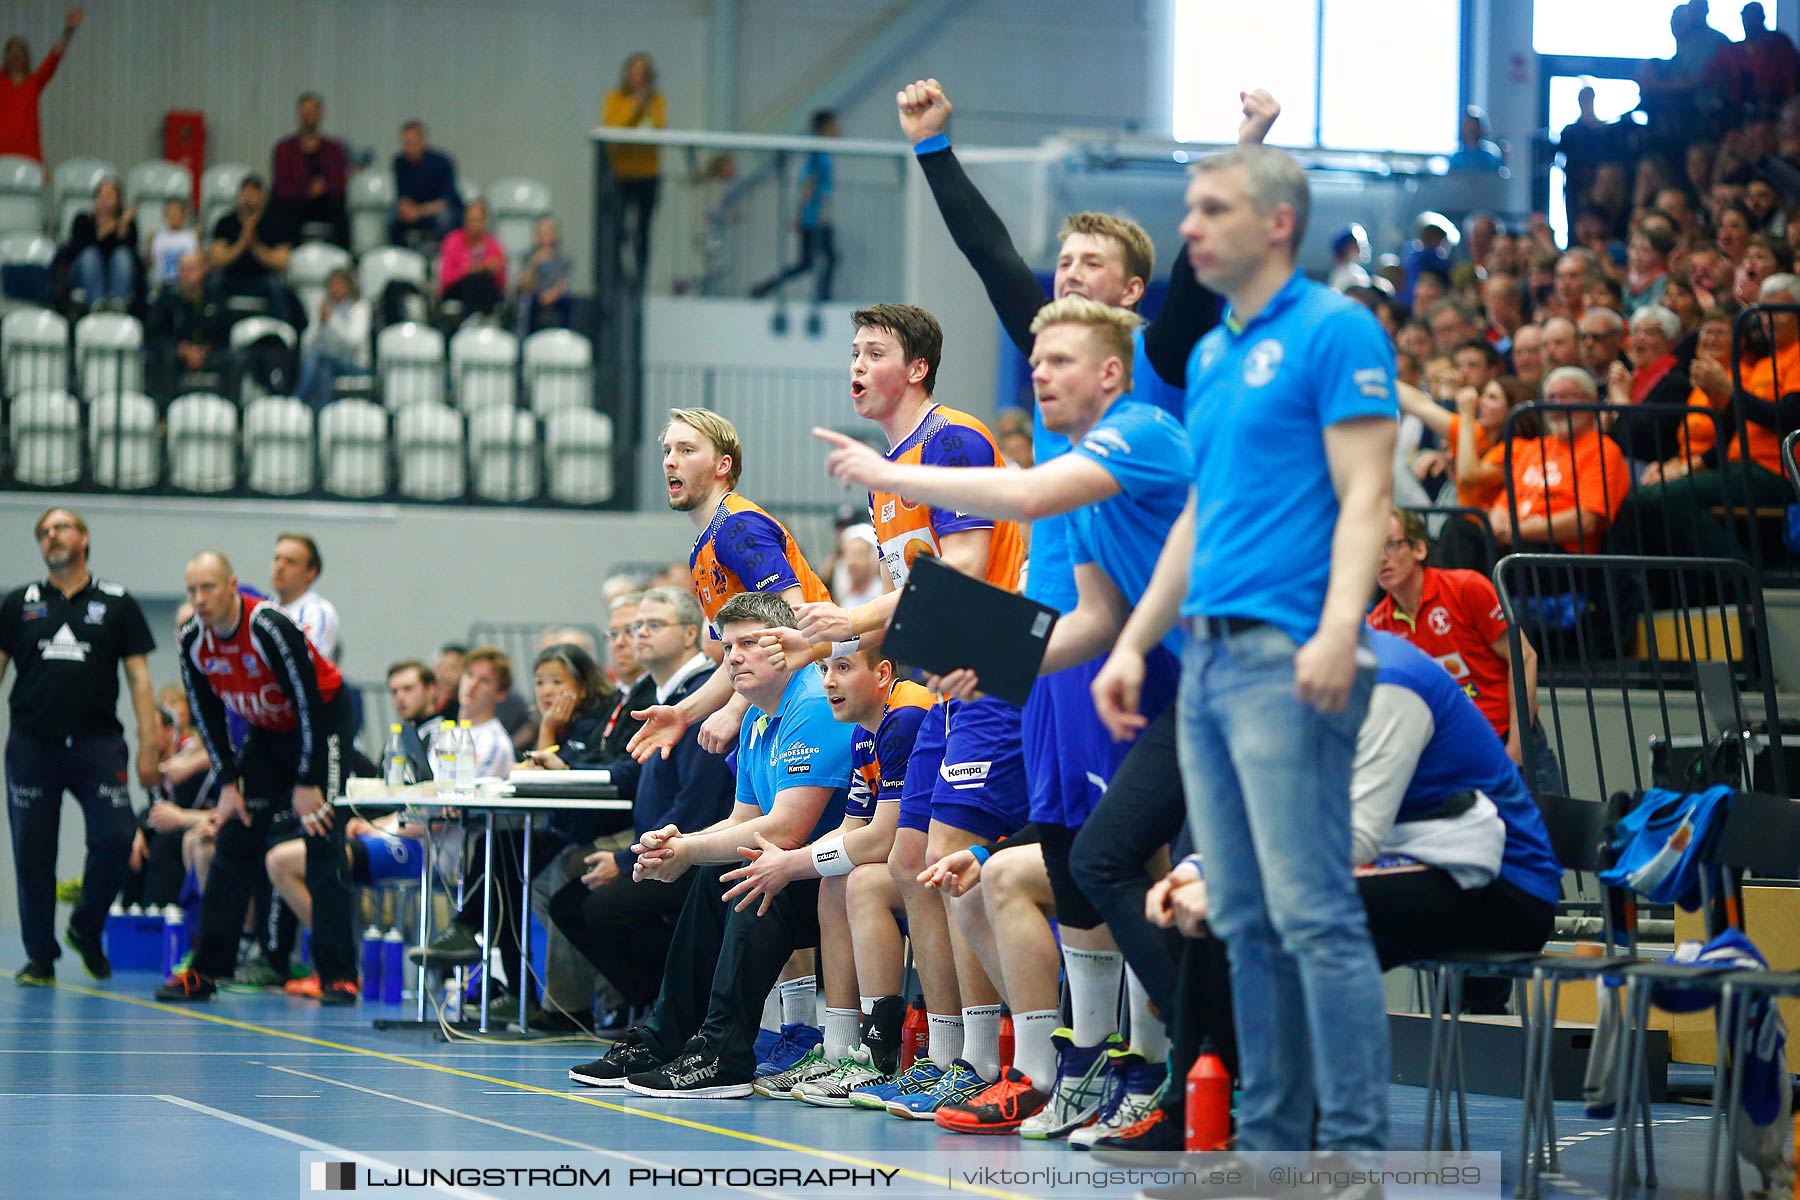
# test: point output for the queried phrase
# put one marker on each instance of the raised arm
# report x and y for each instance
(1062, 485)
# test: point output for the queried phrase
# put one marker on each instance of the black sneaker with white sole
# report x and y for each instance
(610, 1069)
(695, 1075)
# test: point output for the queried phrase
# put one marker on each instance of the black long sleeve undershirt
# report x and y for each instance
(1781, 416)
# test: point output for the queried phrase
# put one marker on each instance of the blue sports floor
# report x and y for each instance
(103, 1092)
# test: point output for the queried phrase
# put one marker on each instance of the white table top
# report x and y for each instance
(485, 803)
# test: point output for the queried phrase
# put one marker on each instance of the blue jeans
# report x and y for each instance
(1268, 796)
(318, 374)
(105, 276)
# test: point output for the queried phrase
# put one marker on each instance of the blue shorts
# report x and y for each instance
(1070, 758)
(967, 770)
(388, 857)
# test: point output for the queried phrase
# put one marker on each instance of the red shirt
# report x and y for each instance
(250, 680)
(19, 109)
(1458, 622)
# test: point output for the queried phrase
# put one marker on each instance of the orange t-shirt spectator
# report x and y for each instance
(1567, 485)
(20, 87)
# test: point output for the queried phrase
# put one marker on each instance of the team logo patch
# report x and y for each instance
(887, 510)
(1262, 361)
(1439, 620)
(96, 612)
(966, 774)
(63, 647)
(1372, 382)
(251, 665)
(36, 612)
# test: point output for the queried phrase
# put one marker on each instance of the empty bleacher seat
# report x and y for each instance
(482, 366)
(72, 190)
(21, 195)
(559, 366)
(203, 443)
(278, 446)
(514, 206)
(46, 438)
(353, 448)
(122, 443)
(578, 456)
(151, 185)
(108, 353)
(218, 194)
(309, 266)
(371, 202)
(25, 260)
(428, 445)
(34, 345)
(248, 330)
(410, 364)
(503, 454)
(385, 264)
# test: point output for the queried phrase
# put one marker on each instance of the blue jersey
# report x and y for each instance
(798, 745)
(1052, 577)
(1260, 396)
(1145, 450)
(1465, 754)
(880, 755)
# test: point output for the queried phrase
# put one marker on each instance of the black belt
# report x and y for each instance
(1218, 627)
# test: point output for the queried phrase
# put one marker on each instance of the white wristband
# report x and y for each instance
(830, 858)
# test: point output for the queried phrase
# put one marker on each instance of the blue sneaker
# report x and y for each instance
(789, 1048)
(920, 1077)
(765, 1042)
(953, 1087)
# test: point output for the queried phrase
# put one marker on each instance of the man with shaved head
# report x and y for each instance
(244, 655)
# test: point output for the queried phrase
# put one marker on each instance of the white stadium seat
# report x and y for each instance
(503, 454)
(428, 445)
(108, 353)
(34, 345)
(21, 195)
(559, 366)
(514, 206)
(218, 194)
(379, 267)
(72, 190)
(151, 185)
(410, 364)
(353, 448)
(123, 449)
(370, 198)
(482, 365)
(27, 250)
(202, 452)
(248, 330)
(309, 266)
(46, 438)
(578, 456)
(278, 446)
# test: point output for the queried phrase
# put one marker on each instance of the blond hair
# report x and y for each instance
(717, 430)
(496, 658)
(1113, 329)
(1139, 251)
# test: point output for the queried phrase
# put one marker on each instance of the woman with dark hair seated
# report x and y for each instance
(575, 699)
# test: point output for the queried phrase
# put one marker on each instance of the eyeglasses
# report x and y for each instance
(1395, 545)
(650, 627)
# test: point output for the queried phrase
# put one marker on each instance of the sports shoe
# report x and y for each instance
(68, 891)
(765, 1042)
(456, 947)
(37, 972)
(833, 1090)
(254, 974)
(1155, 1138)
(308, 987)
(339, 992)
(1080, 1087)
(955, 1085)
(696, 1075)
(791, 1045)
(1133, 1088)
(610, 1069)
(187, 985)
(780, 1085)
(922, 1076)
(93, 957)
(1001, 1107)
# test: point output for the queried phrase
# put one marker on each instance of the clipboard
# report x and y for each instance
(946, 620)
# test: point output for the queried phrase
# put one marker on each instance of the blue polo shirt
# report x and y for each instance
(1145, 450)
(798, 745)
(1051, 579)
(1260, 396)
(817, 208)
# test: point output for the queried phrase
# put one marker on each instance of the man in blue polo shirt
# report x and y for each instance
(793, 769)
(1291, 418)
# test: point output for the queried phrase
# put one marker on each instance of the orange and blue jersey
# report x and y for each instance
(879, 758)
(744, 549)
(906, 529)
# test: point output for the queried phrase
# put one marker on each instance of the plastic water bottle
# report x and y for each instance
(175, 938)
(397, 772)
(371, 962)
(912, 1033)
(1006, 1038)
(443, 749)
(1208, 1102)
(465, 759)
(115, 929)
(393, 967)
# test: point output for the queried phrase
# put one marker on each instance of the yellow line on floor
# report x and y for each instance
(401, 1060)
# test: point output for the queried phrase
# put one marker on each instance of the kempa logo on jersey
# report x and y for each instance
(63, 646)
(966, 772)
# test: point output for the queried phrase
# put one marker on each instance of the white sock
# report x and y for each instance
(771, 1013)
(981, 1040)
(868, 1005)
(800, 1000)
(1093, 993)
(1033, 1053)
(1149, 1037)
(944, 1039)
(843, 1031)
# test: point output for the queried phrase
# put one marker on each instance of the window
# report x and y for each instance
(1618, 28)
(1613, 98)
(1340, 94)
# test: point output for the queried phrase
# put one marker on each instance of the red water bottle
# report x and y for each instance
(1208, 1102)
(1006, 1039)
(912, 1032)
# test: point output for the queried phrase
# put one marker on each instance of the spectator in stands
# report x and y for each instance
(1475, 453)
(1655, 378)
(1584, 142)
(20, 87)
(1732, 231)
(1708, 367)
(1764, 65)
(1679, 298)
(1012, 429)
(250, 249)
(1477, 364)
(173, 240)
(544, 300)
(1763, 257)
(1503, 303)
(1569, 299)
(1673, 203)
(1763, 203)
(1562, 345)
(427, 204)
(1429, 255)
(1569, 483)
(102, 249)
(858, 576)
(1415, 338)
(337, 342)
(1609, 199)
(1647, 264)
(472, 265)
(186, 334)
(1603, 291)
(1709, 272)
(1476, 152)
(1528, 354)
(1602, 341)
(818, 241)
(1451, 324)
(636, 102)
(311, 172)
(1349, 251)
